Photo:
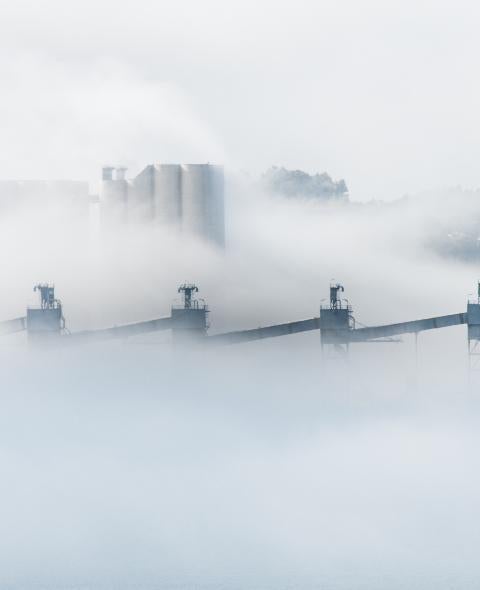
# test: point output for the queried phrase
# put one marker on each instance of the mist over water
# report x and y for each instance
(135, 464)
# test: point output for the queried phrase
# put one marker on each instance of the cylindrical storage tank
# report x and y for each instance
(215, 212)
(194, 181)
(140, 206)
(113, 202)
(107, 172)
(121, 172)
(202, 201)
(167, 193)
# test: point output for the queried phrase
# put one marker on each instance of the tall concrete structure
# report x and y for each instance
(46, 321)
(202, 201)
(114, 195)
(189, 197)
(167, 193)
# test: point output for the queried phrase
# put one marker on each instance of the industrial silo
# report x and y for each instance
(113, 197)
(140, 206)
(167, 193)
(215, 212)
(202, 201)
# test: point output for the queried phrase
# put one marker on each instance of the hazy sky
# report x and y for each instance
(129, 463)
(384, 94)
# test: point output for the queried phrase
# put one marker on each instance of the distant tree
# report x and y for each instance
(297, 183)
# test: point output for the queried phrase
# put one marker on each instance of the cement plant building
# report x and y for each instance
(189, 197)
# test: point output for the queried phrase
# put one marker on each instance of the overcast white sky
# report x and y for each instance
(383, 94)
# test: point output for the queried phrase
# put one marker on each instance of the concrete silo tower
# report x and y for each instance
(202, 201)
(167, 193)
(113, 196)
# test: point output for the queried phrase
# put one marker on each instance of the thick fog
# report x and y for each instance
(132, 464)
(381, 94)
(135, 463)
